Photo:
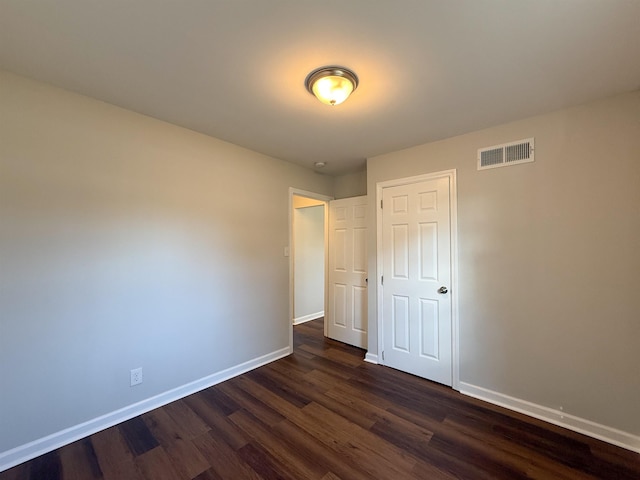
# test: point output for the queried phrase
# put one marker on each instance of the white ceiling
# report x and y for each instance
(235, 69)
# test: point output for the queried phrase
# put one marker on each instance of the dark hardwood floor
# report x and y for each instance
(322, 413)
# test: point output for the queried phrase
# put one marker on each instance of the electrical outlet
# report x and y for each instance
(136, 376)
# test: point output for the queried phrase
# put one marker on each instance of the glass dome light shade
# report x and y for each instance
(331, 85)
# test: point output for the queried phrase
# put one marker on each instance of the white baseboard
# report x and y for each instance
(371, 358)
(557, 417)
(26, 452)
(308, 318)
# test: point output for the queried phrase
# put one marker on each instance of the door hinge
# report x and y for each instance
(380, 204)
(382, 280)
(383, 355)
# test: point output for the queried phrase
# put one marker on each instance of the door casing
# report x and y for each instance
(451, 175)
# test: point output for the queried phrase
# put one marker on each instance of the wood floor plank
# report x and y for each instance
(163, 428)
(430, 471)
(299, 467)
(209, 475)
(492, 447)
(291, 394)
(279, 404)
(294, 381)
(376, 456)
(380, 384)
(79, 461)
(321, 379)
(224, 460)
(320, 448)
(46, 467)
(187, 459)
(307, 446)
(444, 448)
(19, 472)
(252, 404)
(310, 390)
(344, 357)
(219, 424)
(331, 476)
(293, 361)
(219, 400)
(111, 450)
(331, 368)
(405, 435)
(264, 464)
(615, 456)
(155, 464)
(507, 451)
(137, 436)
(294, 372)
(302, 354)
(370, 405)
(124, 469)
(191, 424)
(573, 454)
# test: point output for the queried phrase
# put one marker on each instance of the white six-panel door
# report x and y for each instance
(416, 249)
(346, 316)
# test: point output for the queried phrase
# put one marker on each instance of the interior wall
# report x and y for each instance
(308, 234)
(128, 242)
(350, 184)
(301, 202)
(548, 259)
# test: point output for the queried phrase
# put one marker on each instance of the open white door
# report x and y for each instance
(346, 316)
(416, 278)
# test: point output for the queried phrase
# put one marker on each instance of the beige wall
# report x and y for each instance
(549, 261)
(127, 242)
(351, 185)
(308, 262)
(302, 202)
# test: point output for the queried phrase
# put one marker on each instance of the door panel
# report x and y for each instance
(339, 309)
(347, 313)
(360, 250)
(401, 323)
(360, 309)
(429, 328)
(400, 251)
(416, 246)
(428, 244)
(340, 249)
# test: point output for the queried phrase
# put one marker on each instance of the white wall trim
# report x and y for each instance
(556, 417)
(455, 327)
(371, 358)
(308, 318)
(28, 451)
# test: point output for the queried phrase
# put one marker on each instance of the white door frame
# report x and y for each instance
(325, 199)
(455, 339)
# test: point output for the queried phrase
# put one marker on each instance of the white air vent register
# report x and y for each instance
(506, 154)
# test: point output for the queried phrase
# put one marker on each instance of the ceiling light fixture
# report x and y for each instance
(331, 85)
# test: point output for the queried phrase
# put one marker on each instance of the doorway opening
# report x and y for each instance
(308, 256)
